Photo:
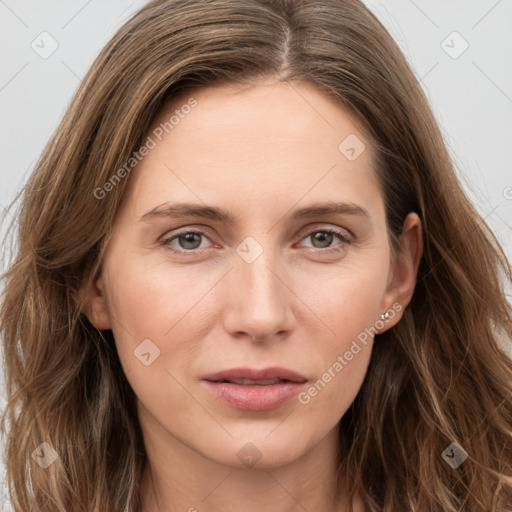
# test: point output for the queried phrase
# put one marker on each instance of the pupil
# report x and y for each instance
(320, 236)
(188, 238)
(325, 236)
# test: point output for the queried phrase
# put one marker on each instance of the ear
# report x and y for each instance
(404, 271)
(93, 301)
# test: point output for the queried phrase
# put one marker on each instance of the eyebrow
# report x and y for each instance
(177, 210)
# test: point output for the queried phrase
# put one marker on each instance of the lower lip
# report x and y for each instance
(255, 398)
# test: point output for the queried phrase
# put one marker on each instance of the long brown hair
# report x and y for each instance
(440, 376)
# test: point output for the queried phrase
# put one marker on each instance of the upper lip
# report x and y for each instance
(265, 374)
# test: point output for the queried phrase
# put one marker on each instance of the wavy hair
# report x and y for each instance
(442, 375)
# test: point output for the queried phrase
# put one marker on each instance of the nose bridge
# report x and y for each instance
(259, 280)
(257, 274)
(259, 304)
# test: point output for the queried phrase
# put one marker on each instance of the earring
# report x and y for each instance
(385, 316)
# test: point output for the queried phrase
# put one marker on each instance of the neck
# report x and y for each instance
(189, 482)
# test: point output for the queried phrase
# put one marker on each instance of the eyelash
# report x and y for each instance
(166, 242)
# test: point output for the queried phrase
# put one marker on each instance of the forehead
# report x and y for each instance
(266, 110)
(261, 144)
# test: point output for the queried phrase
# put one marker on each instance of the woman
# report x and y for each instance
(176, 334)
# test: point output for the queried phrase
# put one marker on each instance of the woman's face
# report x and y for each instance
(251, 240)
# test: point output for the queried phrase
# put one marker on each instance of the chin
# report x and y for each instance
(261, 451)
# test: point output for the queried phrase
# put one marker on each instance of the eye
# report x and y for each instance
(324, 238)
(189, 242)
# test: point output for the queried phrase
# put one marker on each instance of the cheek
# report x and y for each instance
(350, 308)
(351, 313)
(332, 393)
(350, 300)
(160, 316)
(145, 304)
(150, 296)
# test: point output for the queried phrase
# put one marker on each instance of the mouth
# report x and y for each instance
(249, 376)
(252, 382)
(255, 390)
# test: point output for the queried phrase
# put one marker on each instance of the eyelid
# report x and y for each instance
(343, 233)
(203, 229)
(325, 227)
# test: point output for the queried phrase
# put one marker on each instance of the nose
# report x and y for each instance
(259, 303)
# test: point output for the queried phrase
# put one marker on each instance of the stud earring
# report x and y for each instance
(385, 316)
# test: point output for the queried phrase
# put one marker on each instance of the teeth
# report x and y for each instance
(250, 382)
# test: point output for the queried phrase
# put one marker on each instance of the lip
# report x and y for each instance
(252, 390)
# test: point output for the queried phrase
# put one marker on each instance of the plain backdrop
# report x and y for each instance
(460, 50)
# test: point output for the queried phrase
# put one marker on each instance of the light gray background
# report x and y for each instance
(471, 95)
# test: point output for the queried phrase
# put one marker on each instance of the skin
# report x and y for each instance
(259, 152)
